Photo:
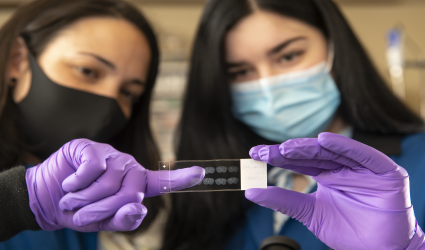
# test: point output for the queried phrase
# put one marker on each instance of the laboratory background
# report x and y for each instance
(391, 30)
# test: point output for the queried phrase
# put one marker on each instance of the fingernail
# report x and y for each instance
(140, 214)
(198, 172)
(143, 210)
(253, 152)
(263, 153)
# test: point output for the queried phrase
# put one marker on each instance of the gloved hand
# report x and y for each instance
(88, 186)
(362, 199)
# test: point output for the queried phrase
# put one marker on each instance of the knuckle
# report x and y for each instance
(97, 163)
(136, 197)
(110, 186)
(132, 197)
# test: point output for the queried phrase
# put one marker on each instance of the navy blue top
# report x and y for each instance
(64, 239)
(259, 222)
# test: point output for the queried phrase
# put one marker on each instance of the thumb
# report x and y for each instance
(128, 218)
(296, 205)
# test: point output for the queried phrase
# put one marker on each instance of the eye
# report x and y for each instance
(133, 98)
(289, 57)
(234, 76)
(87, 72)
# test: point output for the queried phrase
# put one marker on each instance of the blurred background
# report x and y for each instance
(391, 30)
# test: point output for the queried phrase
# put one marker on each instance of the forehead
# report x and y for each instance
(112, 38)
(264, 30)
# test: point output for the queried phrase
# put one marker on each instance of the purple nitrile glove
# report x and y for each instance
(362, 199)
(88, 186)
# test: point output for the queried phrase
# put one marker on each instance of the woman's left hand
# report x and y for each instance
(362, 199)
(88, 186)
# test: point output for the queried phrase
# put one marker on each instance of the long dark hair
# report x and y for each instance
(208, 130)
(37, 23)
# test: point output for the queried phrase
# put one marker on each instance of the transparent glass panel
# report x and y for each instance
(220, 175)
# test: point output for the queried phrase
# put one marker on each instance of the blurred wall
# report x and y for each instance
(177, 21)
(371, 21)
(5, 13)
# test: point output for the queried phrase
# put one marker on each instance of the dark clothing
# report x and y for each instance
(16, 219)
(15, 212)
(63, 239)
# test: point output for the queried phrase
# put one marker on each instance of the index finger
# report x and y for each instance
(309, 148)
(175, 179)
(369, 157)
(308, 166)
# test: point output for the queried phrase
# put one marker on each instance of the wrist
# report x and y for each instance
(40, 203)
(418, 239)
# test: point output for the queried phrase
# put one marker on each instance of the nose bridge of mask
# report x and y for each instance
(267, 86)
(267, 93)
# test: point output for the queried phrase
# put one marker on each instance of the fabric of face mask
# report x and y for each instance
(291, 105)
(52, 115)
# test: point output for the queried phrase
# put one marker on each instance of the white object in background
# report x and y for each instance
(395, 60)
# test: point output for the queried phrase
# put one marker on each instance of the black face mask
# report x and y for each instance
(52, 115)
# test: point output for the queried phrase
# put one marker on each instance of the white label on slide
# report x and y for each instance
(253, 174)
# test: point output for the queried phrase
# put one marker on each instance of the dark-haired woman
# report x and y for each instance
(263, 72)
(76, 69)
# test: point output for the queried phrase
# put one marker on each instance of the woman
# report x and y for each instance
(72, 69)
(262, 72)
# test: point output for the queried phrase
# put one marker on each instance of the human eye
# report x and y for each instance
(130, 96)
(290, 56)
(239, 75)
(88, 72)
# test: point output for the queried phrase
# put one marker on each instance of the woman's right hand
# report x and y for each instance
(362, 199)
(88, 186)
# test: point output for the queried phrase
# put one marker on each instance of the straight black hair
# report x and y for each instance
(37, 23)
(208, 129)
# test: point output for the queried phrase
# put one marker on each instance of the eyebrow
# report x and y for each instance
(139, 82)
(100, 59)
(284, 45)
(270, 52)
(112, 66)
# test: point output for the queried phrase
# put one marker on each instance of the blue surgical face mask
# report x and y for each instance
(293, 105)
